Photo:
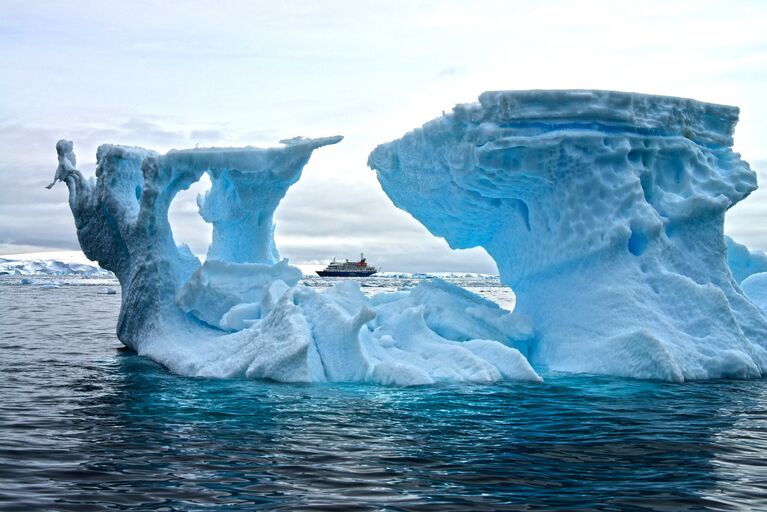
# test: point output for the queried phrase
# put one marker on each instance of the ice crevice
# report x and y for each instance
(241, 312)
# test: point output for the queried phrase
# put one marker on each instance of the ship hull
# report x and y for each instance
(344, 273)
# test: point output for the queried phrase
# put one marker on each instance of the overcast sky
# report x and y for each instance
(175, 74)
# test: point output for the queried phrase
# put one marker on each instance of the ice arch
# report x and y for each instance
(240, 314)
(122, 216)
(604, 211)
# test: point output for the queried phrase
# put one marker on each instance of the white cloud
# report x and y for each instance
(164, 75)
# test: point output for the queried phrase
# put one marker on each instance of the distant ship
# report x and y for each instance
(348, 268)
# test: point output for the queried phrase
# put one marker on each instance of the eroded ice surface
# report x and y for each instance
(241, 313)
(604, 212)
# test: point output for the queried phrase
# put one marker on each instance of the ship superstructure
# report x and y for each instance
(348, 268)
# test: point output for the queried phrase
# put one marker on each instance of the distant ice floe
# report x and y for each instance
(52, 267)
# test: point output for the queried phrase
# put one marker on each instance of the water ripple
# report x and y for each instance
(86, 425)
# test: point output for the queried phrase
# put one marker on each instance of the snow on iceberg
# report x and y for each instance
(604, 212)
(240, 314)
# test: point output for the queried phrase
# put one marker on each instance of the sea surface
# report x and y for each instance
(88, 425)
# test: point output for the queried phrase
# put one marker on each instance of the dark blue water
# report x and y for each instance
(86, 425)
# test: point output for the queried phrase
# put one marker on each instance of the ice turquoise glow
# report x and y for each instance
(604, 211)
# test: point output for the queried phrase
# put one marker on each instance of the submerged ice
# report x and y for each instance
(604, 212)
(241, 312)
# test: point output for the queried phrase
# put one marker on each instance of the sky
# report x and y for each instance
(166, 75)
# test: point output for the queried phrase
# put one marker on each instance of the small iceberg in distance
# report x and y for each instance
(35, 264)
(744, 262)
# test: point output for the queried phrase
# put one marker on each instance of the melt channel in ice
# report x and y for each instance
(241, 313)
(604, 212)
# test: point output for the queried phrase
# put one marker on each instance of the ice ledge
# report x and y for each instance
(703, 123)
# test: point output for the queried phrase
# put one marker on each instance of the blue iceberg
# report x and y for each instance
(604, 212)
(240, 314)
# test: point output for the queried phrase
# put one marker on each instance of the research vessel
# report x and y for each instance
(348, 268)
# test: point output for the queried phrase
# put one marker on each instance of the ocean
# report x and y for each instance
(86, 424)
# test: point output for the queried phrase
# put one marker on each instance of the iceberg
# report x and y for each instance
(49, 267)
(755, 288)
(744, 262)
(242, 313)
(604, 212)
(749, 269)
